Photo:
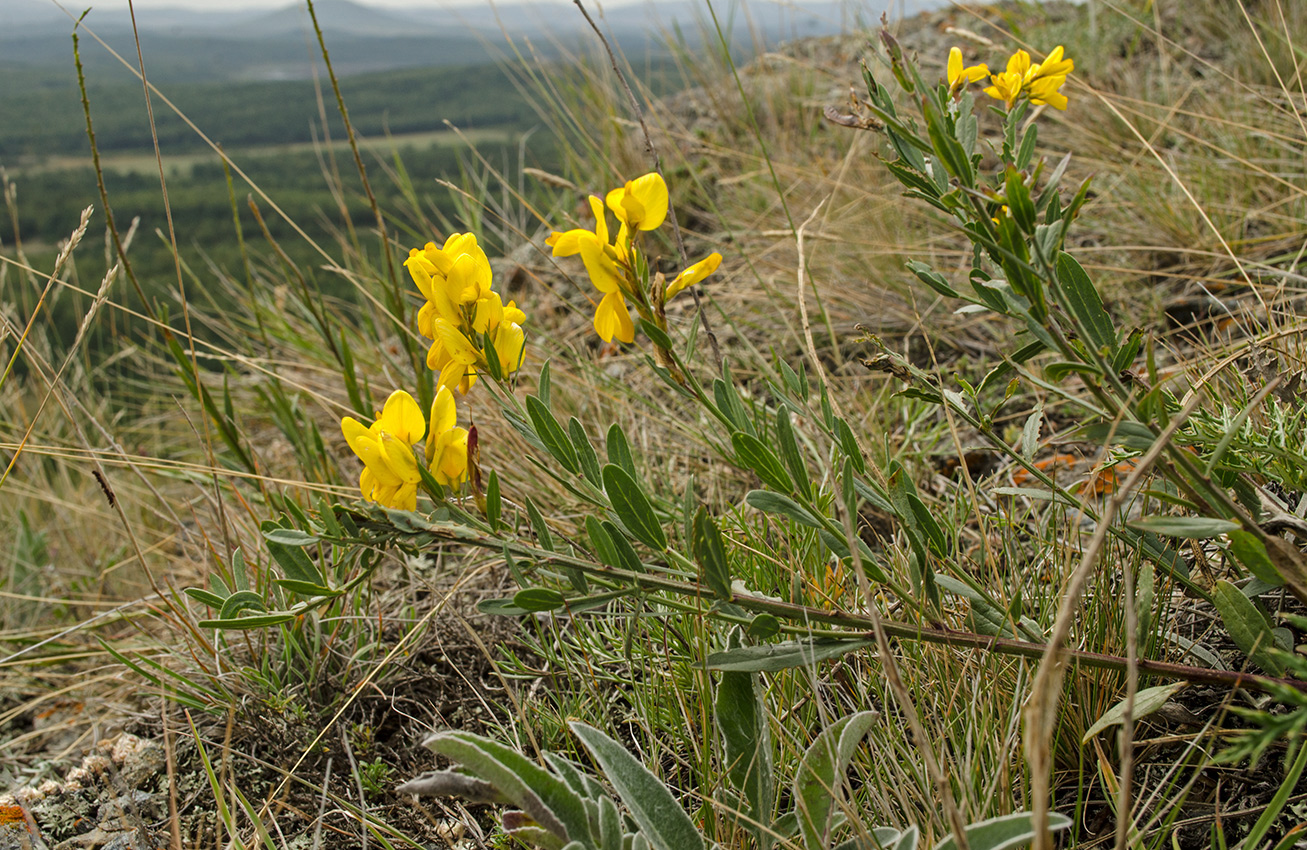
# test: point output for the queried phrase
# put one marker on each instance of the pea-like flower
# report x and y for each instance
(1040, 82)
(390, 469)
(607, 264)
(960, 77)
(446, 447)
(619, 269)
(642, 203)
(693, 274)
(462, 309)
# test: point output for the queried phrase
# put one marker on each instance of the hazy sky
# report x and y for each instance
(224, 5)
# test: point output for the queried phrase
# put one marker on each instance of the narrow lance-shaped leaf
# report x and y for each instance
(660, 817)
(818, 783)
(710, 552)
(1085, 304)
(632, 507)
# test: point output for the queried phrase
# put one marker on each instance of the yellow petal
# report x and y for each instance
(651, 191)
(488, 313)
(603, 271)
(444, 411)
(510, 342)
(693, 274)
(420, 269)
(568, 243)
(601, 221)
(400, 459)
(454, 376)
(449, 460)
(353, 430)
(613, 320)
(459, 348)
(402, 419)
(405, 498)
(1019, 63)
(954, 66)
(513, 314)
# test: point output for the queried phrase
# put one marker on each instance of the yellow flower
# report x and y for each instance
(446, 448)
(606, 264)
(453, 355)
(1045, 90)
(642, 203)
(461, 306)
(1005, 86)
(1040, 82)
(1054, 65)
(958, 76)
(390, 472)
(453, 276)
(693, 274)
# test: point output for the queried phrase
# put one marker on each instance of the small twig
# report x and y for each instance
(658, 166)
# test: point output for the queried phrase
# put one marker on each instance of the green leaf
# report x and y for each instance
(933, 279)
(1252, 553)
(1004, 832)
(546, 798)
(849, 444)
(742, 720)
(552, 434)
(777, 503)
(294, 562)
(241, 600)
(1147, 701)
(290, 537)
(538, 599)
(763, 627)
(790, 452)
(619, 449)
(304, 588)
(257, 621)
(1188, 527)
(206, 597)
(632, 507)
(710, 551)
(819, 781)
(1019, 203)
(627, 559)
(1247, 626)
(584, 451)
(1131, 435)
(601, 542)
(1085, 304)
(656, 335)
(538, 525)
(753, 454)
(500, 608)
(1030, 433)
(494, 502)
(771, 657)
(661, 819)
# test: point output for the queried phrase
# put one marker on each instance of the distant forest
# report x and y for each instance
(40, 121)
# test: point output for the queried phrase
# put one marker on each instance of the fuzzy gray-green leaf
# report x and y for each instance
(660, 817)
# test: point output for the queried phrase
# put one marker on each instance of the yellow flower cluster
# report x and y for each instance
(467, 323)
(462, 311)
(640, 205)
(390, 469)
(1040, 82)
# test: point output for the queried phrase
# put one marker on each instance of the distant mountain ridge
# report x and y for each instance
(182, 45)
